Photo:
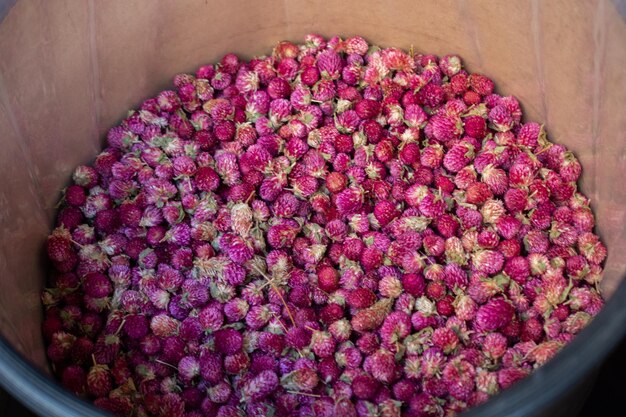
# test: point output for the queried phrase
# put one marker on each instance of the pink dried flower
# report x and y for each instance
(481, 84)
(475, 126)
(188, 368)
(328, 279)
(356, 45)
(370, 318)
(445, 129)
(450, 65)
(477, 193)
(516, 200)
(85, 176)
(381, 365)
(329, 64)
(570, 169)
(521, 175)
(563, 234)
(492, 210)
(59, 245)
(350, 200)
(322, 344)
(464, 179)
(464, 307)
(536, 241)
(591, 248)
(260, 386)
(487, 261)
(396, 327)
(458, 156)
(303, 379)
(367, 109)
(509, 376)
(544, 351)
(501, 118)
(445, 339)
(496, 179)
(495, 345)
(488, 239)
(236, 363)
(73, 378)
(99, 382)
(529, 135)
(459, 376)
(365, 387)
(431, 95)
(494, 315)
(361, 298)
(336, 182)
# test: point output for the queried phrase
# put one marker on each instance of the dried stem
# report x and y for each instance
(119, 329)
(304, 393)
(268, 279)
(165, 363)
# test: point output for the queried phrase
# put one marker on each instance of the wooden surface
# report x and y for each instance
(69, 69)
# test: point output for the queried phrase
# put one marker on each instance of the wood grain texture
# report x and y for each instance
(23, 229)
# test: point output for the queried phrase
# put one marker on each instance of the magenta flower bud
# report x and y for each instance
(247, 81)
(190, 329)
(221, 80)
(188, 368)
(85, 176)
(381, 365)
(260, 386)
(283, 234)
(97, 285)
(329, 64)
(211, 368)
(211, 318)
(168, 101)
(278, 88)
(348, 121)
(494, 315)
(236, 309)
(228, 341)
(445, 129)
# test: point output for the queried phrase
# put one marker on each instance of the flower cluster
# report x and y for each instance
(333, 229)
